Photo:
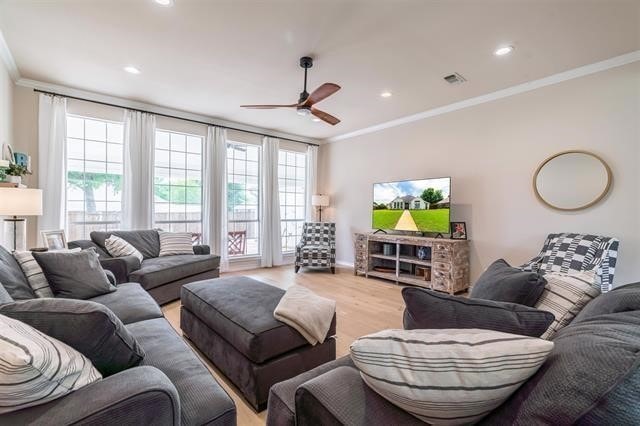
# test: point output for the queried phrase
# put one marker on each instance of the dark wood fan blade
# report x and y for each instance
(321, 93)
(268, 106)
(325, 116)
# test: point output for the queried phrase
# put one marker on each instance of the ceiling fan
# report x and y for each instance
(306, 103)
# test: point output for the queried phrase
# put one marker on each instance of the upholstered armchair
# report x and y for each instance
(578, 252)
(317, 246)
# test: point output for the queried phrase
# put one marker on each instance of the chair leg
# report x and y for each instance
(333, 269)
(297, 268)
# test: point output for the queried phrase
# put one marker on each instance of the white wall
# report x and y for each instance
(491, 152)
(6, 108)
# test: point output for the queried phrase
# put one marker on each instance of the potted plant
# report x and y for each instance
(15, 172)
(3, 174)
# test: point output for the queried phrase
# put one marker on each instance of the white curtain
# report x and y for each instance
(271, 242)
(312, 181)
(52, 142)
(214, 188)
(137, 188)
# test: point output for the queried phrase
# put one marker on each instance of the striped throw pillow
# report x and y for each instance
(173, 243)
(447, 376)
(118, 247)
(32, 270)
(37, 368)
(564, 296)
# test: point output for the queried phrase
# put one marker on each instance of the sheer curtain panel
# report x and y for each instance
(214, 196)
(312, 181)
(271, 242)
(137, 188)
(52, 143)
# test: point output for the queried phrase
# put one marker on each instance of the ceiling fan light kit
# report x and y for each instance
(306, 102)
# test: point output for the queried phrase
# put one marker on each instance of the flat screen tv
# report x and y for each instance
(412, 205)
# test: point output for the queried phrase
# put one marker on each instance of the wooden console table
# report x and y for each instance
(444, 268)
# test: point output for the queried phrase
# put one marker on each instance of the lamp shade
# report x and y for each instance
(20, 202)
(320, 200)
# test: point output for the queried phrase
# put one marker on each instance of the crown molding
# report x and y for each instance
(585, 70)
(127, 103)
(7, 59)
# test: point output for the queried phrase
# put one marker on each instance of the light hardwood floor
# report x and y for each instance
(363, 306)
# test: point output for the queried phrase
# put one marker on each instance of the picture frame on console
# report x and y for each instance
(458, 230)
(54, 240)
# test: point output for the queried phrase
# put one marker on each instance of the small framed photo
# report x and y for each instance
(54, 240)
(458, 231)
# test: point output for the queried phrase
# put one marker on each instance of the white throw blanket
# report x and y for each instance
(308, 313)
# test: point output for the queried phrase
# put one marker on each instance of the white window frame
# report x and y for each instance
(158, 223)
(284, 205)
(85, 223)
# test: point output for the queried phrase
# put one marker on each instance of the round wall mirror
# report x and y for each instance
(572, 180)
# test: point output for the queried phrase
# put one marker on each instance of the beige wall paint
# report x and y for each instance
(491, 152)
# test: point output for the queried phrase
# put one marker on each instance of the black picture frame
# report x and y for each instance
(458, 234)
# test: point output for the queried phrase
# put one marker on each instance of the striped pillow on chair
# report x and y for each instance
(118, 247)
(174, 243)
(448, 376)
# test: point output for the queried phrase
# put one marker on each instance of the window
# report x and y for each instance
(243, 194)
(94, 175)
(292, 183)
(178, 183)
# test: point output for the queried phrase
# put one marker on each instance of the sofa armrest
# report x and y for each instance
(141, 395)
(341, 397)
(121, 267)
(86, 244)
(201, 249)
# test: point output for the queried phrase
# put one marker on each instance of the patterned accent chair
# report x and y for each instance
(575, 253)
(317, 246)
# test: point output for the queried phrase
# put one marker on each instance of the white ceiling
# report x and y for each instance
(209, 57)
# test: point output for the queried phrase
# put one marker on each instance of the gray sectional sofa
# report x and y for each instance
(171, 386)
(162, 277)
(591, 377)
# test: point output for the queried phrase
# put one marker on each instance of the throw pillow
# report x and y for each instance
(620, 299)
(174, 243)
(447, 376)
(37, 368)
(76, 275)
(12, 277)
(564, 296)
(88, 327)
(590, 378)
(430, 309)
(503, 283)
(117, 247)
(34, 274)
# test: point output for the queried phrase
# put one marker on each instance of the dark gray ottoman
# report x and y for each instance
(231, 321)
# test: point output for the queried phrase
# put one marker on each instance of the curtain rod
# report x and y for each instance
(173, 116)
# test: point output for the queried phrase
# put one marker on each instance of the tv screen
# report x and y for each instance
(412, 205)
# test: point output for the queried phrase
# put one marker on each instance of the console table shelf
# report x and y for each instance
(445, 266)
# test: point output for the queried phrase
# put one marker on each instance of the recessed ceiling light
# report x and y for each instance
(164, 3)
(315, 119)
(385, 94)
(503, 50)
(132, 70)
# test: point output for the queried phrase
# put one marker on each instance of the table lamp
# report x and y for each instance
(16, 202)
(320, 201)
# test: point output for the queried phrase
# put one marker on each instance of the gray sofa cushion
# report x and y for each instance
(240, 310)
(282, 396)
(593, 363)
(202, 399)
(621, 299)
(86, 244)
(163, 270)
(88, 327)
(4, 296)
(503, 283)
(77, 275)
(131, 303)
(146, 242)
(341, 397)
(430, 309)
(12, 277)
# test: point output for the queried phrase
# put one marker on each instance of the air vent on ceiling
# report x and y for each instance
(455, 78)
